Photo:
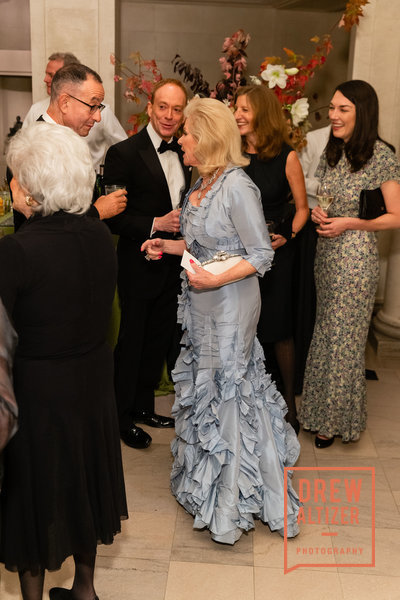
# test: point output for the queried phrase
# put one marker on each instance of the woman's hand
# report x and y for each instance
(329, 226)
(154, 248)
(277, 241)
(202, 279)
(318, 215)
(333, 227)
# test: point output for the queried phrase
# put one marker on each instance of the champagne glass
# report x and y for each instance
(324, 197)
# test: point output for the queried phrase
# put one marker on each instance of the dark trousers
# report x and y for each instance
(146, 330)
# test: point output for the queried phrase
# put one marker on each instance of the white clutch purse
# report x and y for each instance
(219, 263)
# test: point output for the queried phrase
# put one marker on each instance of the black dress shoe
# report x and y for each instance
(153, 420)
(135, 437)
(58, 593)
(320, 443)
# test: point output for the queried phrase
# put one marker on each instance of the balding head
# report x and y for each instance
(76, 100)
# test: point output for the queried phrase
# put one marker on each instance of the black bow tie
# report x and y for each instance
(164, 146)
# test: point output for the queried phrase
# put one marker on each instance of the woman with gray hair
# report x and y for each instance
(232, 441)
(63, 490)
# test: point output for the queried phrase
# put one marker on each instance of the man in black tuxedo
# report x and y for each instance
(155, 178)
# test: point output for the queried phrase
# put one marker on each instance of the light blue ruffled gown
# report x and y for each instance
(232, 441)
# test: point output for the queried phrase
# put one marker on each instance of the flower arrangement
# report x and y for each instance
(138, 85)
(233, 66)
(287, 82)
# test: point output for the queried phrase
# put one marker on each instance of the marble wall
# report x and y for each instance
(85, 28)
(375, 57)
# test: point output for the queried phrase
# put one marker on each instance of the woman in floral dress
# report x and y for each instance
(347, 267)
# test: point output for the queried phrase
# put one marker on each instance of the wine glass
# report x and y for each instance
(271, 229)
(324, 197)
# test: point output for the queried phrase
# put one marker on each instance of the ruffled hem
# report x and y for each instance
(232, 439)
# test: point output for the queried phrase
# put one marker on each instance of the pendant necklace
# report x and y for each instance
(206, 182)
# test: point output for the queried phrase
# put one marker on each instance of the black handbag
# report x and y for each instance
(372, 204)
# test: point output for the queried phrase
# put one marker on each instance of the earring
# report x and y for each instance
(28, 200)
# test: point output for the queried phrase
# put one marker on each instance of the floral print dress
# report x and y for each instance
(346, 277)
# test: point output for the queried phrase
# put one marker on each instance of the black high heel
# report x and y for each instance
(320, 443)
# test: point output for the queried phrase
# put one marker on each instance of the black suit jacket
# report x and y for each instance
(134, 162)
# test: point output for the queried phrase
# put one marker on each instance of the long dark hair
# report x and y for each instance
(269, 123)
(360, 147)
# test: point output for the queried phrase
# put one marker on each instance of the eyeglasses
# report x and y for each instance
(93, 107)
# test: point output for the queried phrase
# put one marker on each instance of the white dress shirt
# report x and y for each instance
(171, 166)
(310, 157)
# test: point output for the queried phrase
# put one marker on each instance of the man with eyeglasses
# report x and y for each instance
(109, 131)
(76, 100)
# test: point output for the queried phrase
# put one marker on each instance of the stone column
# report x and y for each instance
(87, 29)
(387, 321)
(375, 58)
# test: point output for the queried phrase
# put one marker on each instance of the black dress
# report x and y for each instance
(275, 322)
(63, 489)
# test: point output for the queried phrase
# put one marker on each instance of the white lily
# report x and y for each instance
(292, 71)
(275, 75)
(299, 111)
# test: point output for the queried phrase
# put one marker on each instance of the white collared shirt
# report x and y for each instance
(171, 166)
(46, 117)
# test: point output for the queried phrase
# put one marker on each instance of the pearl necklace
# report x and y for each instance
(207, 182)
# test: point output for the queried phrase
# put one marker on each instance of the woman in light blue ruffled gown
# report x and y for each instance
(232, 441)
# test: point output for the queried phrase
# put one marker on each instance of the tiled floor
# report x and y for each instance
(159, 556)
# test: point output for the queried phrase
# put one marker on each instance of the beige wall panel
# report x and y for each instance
(106, 46)
(376, 59)
(86, 29)
(14, 25)
(39, 52)
(73, 30)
